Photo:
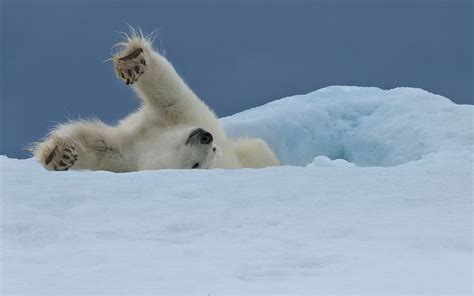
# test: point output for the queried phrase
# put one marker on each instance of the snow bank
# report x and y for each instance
(365, 126)
(329, 228)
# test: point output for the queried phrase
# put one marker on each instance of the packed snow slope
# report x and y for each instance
(375, 197)
(365, 126)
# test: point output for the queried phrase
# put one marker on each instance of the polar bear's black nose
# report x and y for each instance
(199, 136)
(206, 138)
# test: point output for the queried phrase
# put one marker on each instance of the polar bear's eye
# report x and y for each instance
(196, 165)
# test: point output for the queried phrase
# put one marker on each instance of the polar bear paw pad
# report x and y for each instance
(62, 157)
(131, 66)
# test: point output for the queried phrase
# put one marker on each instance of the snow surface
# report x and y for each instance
(366, 126)
(380, 202)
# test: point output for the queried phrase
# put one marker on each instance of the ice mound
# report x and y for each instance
(366, 126)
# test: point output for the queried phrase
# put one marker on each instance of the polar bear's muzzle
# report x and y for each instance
(201, 150)
(199, 136)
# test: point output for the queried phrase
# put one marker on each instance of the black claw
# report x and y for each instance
(51, 156)
(56, 168)
(121, 74)
(137, 69)
(132, 55)
(62, 163)
(129, 72)
(127, 82)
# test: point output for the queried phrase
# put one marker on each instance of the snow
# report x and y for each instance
(365, 126)
(375, 197)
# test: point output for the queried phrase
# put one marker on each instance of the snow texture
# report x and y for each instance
(375, 198)
(365, 126)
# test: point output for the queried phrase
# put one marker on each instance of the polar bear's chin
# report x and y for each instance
(211, 157)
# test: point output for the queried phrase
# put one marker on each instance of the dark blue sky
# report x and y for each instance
(234, 54)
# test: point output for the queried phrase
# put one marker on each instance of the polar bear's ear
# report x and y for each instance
(217, 151)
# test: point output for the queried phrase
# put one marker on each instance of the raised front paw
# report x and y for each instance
(62, 157)
(130, 66)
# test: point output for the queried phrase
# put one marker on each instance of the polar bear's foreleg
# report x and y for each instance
(80, 145)
(157, 83)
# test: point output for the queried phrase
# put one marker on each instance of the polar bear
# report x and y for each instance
(172, 129)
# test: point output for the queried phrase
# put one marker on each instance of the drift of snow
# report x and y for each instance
(380, 202)
(365, 126)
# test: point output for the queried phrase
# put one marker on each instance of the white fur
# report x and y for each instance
(154, 136)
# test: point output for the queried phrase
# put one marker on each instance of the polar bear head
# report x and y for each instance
(179, 147)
